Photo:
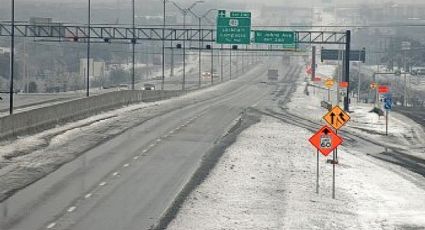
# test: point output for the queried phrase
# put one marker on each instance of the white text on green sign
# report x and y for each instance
(236, 14)
(232, 30)
(274, 37)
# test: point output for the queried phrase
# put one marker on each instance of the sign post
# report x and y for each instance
(336, 118)
(325, 141)
(388, 104)
(317, 172)
(329, 83)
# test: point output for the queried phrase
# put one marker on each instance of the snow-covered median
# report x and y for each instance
(266, 180)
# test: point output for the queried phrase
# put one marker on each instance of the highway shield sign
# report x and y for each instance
(336, 117)
(325, 140)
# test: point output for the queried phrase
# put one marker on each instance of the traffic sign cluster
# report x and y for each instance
(327, 140)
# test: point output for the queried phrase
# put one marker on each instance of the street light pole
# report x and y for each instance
(88, 50)
(12, 56)
(185, 11)
(212, 64)
(163, 46)
(133, 46)
(184, 50)
(199, 51)
(200, 37)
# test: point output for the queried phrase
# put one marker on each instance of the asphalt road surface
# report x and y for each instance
(131, 180)
(417, 114)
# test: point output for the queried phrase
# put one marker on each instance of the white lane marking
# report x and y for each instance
(115, 174)
(152, 145)
(126, 165)
(102, 183)
(144, 151)
(171, 132)
(71, 209)
(136, 157)
(51, 225)
(182, 126)
(158, 140)
(88, 195)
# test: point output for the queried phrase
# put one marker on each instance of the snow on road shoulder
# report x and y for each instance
(266, 180)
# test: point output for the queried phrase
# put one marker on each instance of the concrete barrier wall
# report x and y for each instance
(46, 117)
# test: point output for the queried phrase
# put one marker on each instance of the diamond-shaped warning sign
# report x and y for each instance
(337, 117)
(325, 140)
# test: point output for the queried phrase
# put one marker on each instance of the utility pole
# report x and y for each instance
(88, 50)
(12, 57)
(212, 64)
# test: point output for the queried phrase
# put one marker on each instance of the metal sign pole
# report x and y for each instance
(317, 173)
(329, 95)
(335, 157)
(386, 123)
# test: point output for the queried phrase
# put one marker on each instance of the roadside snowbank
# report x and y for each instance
(404, 133)
(266, 180)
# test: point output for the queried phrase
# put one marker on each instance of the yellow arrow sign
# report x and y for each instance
(336, 117)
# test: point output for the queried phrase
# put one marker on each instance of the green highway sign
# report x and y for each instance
(233, 30)
(287, 38)
(236, 14)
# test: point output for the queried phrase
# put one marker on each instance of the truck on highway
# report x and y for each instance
(273, 74)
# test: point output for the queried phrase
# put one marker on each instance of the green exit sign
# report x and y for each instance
(237, 14)
(275, 37)
(232, 30)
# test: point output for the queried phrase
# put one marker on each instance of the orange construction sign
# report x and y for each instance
(325, 140)
(329, 83)
(337, 117)
(343, 84)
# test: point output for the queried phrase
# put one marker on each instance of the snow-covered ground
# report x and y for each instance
(403, 132)
(266, 180)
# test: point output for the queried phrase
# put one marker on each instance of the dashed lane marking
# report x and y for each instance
(126, 165)
(71, 209)
(88, 195)
(51, 225)
(115, 174)
(102, 183)
(136, 157)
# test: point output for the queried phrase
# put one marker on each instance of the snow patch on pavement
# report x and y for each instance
(266, 180)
